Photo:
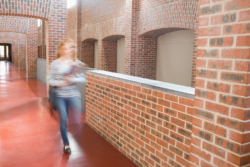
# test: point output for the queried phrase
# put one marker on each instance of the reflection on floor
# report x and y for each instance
(29, 135)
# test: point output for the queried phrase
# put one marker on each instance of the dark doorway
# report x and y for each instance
(5, 52)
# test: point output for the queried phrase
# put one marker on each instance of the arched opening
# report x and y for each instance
(167, 54)
(113, 50)
(174, 57)
(90, 52)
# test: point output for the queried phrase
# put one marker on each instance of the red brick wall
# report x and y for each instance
(88, 51)
(221, 116)
(109, 55)
(217, 120)
(14, 24)
(105, 10)
(145, 61)
(150, 127)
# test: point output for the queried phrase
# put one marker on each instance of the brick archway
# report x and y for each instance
(14, 44)
(46, 10)
(18, 58)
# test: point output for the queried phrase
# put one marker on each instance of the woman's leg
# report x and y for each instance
(63, 115)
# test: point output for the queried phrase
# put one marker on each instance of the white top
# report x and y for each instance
(57, 71)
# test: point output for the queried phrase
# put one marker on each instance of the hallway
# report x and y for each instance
(29, 135)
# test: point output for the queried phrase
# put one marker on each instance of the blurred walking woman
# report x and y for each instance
(66, 91)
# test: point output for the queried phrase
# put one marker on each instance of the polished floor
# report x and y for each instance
(30, 137)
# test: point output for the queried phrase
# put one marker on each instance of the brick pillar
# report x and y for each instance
(43, 40)
(145, 63)
(22, 51)
(221, 127)
(131, 16)
(14, 51)
(32, 43)
(57, 26)
(78, 29)
(140, 52)
(100, 57)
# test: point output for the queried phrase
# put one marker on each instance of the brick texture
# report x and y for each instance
(88, 51)
(221, 101)
(151, 128)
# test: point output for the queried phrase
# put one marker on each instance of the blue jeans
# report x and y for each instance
(63, 103)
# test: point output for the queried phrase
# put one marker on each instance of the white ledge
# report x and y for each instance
(180, 90)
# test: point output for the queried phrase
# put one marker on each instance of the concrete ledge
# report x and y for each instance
(148, 83)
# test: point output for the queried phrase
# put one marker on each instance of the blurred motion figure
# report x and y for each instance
(63, 77)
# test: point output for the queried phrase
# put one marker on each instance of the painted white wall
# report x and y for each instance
(174, 57)
(96, 55)
(41, 70)
(120, 56)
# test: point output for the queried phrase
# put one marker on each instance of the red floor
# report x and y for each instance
(30, 137)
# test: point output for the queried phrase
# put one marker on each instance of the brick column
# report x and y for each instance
(32, 43)
(57, 26)
(131, 16)
(78, 29)
(221, 127)
(22, 51)
(43, 40)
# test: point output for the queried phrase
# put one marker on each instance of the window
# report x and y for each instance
(71, 3)
(39, 22)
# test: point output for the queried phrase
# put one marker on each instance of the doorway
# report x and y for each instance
(5, 52)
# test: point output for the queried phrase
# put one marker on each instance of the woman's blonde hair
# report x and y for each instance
(72, 47)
